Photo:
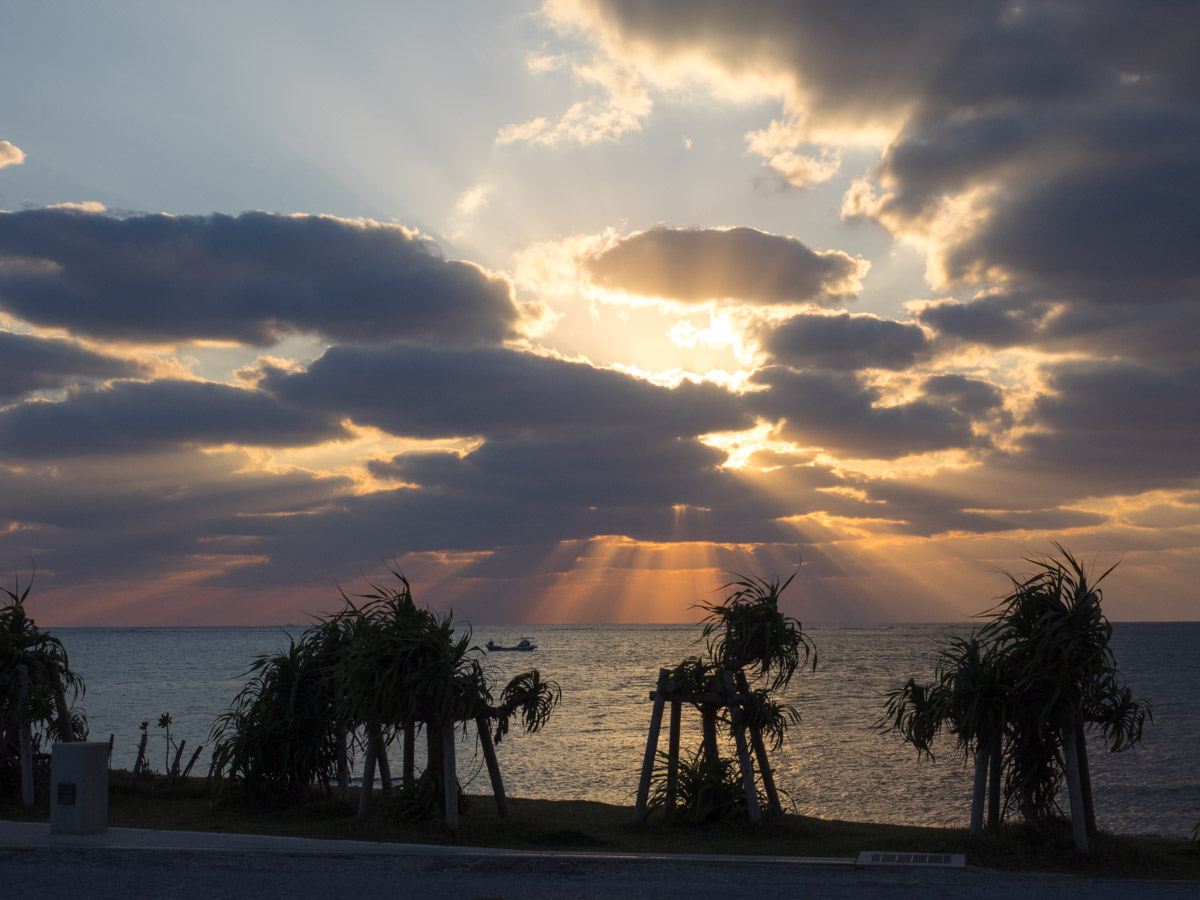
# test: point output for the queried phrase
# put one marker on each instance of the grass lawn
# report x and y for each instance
(589, 826)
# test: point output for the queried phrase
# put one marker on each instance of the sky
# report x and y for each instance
(568, 310)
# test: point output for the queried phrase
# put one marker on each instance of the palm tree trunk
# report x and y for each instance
(1078, 822)
(368, 780)
(708, 726)
(994, 783)
(977, 795)
(1085, 780)
(26, 737)
(64, 714)
(760, 753)
(385, 770)
(410, 737)
(743, 751)
(433, 757)
(343, 766)
(450, 775)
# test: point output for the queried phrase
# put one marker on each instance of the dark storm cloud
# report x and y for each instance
(1081, 128)
(142, 516)
(623, 468)
(252, 278)
(919, 507)
(29, 363)
(1049, 148)
(1109, 234)
(995, 321)
(1161, 333)
(625, 482)
(493, 392)
(837, 413)
(1117, 428)
(967, 395)
(694, 265)
(856, 60)
(844, 342)
(136, 416)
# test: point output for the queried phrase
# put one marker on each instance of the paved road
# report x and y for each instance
(127, 864)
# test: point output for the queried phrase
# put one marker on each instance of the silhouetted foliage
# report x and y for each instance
(377, 665)
(38, 657)
(1034, 677)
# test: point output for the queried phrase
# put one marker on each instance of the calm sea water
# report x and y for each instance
(835, 766)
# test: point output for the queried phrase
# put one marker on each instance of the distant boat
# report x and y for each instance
(524, 645)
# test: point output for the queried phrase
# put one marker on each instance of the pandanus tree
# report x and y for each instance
(753, 651)
(1023, 692)
(35, 676)
(379, 668)
(1053, 641)
(278, 741)
(969, 698)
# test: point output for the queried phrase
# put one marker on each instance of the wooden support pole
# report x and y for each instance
(139, 762)
(26, 737)
(450, 775)
(111, 740)
(643, 793)
(174, 770)
(673, 754)
(1078, 820)
(743, 753)
(368, 780)
(484, 724)
(410, 740)
(212, 766)
(195, 756)
(760, 751)
(765, 771)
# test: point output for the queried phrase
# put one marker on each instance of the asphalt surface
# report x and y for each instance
(130, 863)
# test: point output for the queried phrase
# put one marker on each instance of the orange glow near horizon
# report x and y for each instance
(613, 579)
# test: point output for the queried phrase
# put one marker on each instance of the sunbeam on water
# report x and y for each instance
(834, 766)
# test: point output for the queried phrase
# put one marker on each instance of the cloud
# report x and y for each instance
(833, 411)
(29, 363)
(133, 416)
(847, 73)
(1116, 428)
(1160, 333)
(777, 146)
(617, 107)
(497, 393)
(474, 199)
(631, 482)
(736, 265)
(843, 342)
(141, 522)
(10, 155)
(922, 507)
(1037, 149)
(253, 278)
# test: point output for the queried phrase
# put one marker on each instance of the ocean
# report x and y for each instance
(834, 766)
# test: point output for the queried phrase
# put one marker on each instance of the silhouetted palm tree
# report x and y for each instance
(1029, 684)
(35, 676)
